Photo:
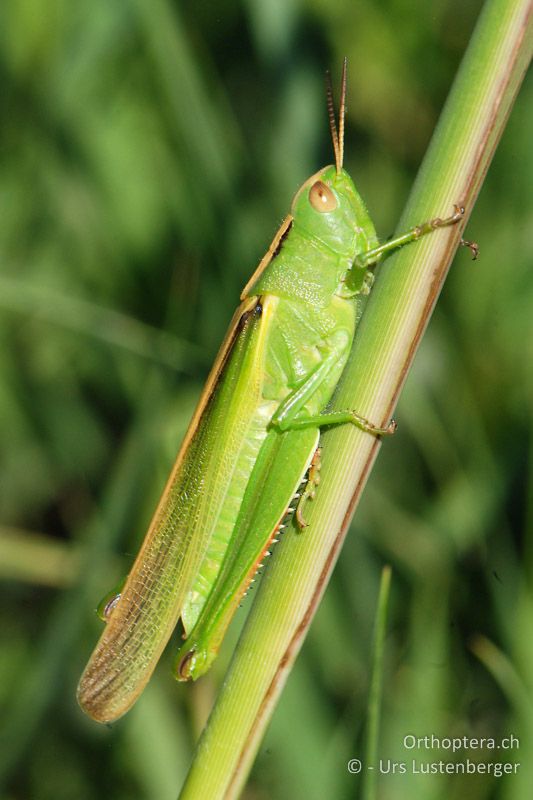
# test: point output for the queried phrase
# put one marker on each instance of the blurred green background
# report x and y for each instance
(149, 150)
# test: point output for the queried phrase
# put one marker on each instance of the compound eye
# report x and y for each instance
(322, 198)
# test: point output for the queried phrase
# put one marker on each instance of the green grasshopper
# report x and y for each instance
(252, 440)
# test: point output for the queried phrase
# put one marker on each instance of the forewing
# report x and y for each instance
(144, 618)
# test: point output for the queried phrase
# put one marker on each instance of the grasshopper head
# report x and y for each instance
(328, 208)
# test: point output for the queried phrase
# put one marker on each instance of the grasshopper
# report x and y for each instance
(252, 441)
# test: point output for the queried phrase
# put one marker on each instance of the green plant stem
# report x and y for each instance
(397, 314)
(37, 558)
(506, 676)
(374, 699)
(104, 324)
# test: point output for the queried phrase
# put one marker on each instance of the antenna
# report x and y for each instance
(337, 137)
(342, 114)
